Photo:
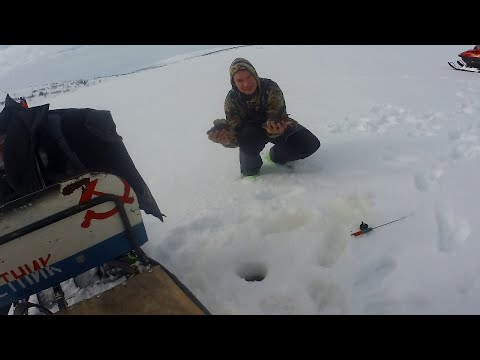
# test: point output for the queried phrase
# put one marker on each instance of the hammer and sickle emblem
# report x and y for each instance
(90, 192)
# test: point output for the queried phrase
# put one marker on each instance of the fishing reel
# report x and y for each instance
(363, 229)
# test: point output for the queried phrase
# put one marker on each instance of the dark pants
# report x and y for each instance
(294, 144)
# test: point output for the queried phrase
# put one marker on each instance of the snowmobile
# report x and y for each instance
(470, 60)
(71, 200)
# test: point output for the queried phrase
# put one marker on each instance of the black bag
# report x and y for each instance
(43, 147)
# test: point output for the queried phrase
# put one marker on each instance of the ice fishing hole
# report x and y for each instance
(252, 271)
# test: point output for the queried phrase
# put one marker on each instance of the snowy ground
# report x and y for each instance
(400, 136)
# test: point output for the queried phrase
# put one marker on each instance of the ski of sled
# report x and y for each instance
(463, 68)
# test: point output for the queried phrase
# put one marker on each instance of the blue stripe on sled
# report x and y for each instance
(72, 266)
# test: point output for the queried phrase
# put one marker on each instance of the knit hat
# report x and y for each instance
(242, 64)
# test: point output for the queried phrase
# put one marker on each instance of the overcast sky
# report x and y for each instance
(27, 65)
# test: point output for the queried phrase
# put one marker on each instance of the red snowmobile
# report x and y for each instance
(470, 60)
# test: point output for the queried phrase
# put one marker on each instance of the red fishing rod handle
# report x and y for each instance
(362, 232)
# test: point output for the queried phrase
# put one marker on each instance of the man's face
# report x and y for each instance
(245, 82)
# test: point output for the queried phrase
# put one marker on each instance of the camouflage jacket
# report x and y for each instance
(268, 103)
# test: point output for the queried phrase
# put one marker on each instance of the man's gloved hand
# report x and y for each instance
(275, 127)
(220, 136)
(220, 133)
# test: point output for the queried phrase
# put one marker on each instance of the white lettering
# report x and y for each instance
(36, 275)
(51, 269)
(29, 280)
(21, 283)
(10, 284)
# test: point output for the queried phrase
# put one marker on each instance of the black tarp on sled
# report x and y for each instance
(42, 147)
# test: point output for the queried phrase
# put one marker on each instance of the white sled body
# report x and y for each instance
(45, 239)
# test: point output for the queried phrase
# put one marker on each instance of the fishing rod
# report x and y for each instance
(364, 228)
